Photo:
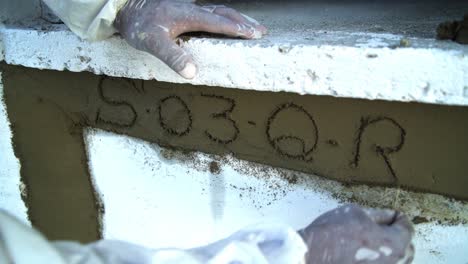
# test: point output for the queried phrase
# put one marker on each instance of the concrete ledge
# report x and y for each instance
(355, 65)
(357, 49)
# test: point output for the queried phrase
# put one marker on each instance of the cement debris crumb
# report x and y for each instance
(454, 30)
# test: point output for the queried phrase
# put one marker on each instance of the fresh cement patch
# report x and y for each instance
(403, 145)
(11, 188)
(49, 145)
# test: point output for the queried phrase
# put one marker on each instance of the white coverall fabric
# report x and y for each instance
(89, 19)
(261, 244)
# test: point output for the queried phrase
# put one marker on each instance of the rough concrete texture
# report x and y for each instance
(49, 144)
(358, 49)
(136, 179)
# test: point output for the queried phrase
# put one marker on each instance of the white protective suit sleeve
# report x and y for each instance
(89, 19)
(262, 244)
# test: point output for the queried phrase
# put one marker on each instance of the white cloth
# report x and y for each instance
(89, 19)
(261, 244)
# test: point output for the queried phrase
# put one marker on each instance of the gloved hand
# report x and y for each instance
(152, 26)
(351, 235)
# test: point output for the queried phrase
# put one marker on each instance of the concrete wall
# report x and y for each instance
(355, 141)
(136, 179)
(348, 140)
(86, 185)
(141, 191)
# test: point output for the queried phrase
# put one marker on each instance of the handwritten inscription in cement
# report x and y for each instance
(223, 115)
(164, 120)
(383, 151)
(276, 141)
(177, 118)
(126, 120)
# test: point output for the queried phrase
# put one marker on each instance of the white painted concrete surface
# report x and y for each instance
(10, 181)
(343, 48)
(160, 202)
(356, 65)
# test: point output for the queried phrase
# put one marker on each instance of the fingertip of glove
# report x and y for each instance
(189, 71)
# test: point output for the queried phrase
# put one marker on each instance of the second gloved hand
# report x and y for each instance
(352, 235)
